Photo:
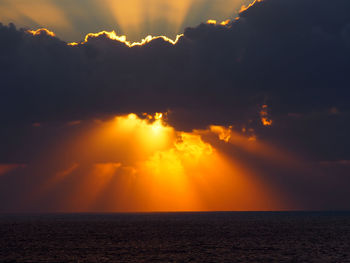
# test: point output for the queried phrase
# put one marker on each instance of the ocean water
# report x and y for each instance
(177, 237)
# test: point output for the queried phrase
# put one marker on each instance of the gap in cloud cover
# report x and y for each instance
(141, 163)
(72, 20)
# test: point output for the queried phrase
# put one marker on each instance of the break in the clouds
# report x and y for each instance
(278, 74)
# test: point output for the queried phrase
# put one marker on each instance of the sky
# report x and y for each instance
(71, 20)
(250, 114)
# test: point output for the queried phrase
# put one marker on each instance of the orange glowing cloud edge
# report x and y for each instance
(109, 34)
(40, 31)
(223, 23)
(265, 119)
(244, 138)
(244, 7)
(122, 38)
(113, 36)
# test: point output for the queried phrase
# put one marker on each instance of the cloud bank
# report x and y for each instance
(281, 63)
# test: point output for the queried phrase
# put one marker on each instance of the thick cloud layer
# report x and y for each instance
(292, 55)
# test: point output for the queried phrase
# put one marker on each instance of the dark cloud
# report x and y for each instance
(293, 55)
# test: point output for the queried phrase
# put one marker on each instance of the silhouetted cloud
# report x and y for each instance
(254, 59)
(291, 55)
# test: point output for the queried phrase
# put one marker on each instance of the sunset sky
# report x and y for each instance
(164, 105)
(71, 20)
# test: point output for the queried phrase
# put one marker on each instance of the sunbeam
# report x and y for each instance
(134, 18)
(141, 163)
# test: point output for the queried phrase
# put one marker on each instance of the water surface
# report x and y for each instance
(177, 237)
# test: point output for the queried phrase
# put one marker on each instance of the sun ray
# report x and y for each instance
(149, 15)
(42, 12)
(137, 19)
(140, 163)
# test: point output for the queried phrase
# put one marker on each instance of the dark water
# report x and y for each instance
(176, 237)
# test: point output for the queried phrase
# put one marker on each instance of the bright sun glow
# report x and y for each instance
(141, 163)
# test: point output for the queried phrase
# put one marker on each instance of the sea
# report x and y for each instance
(176, 237)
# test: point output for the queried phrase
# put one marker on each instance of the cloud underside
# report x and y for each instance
(280, 70)
(290, 55)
